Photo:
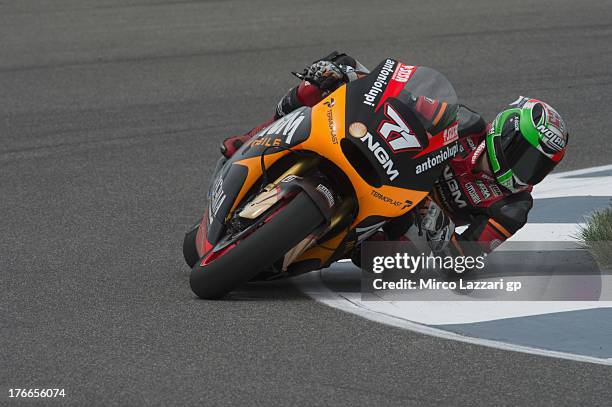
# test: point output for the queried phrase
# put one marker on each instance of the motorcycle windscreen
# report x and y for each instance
(431, 84)
(387, 139)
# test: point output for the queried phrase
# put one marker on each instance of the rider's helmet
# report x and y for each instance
(525, 142)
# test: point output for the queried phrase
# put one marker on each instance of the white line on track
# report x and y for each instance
(556, 185)
(311, 285)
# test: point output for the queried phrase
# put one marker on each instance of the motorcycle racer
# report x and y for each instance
(486, 187)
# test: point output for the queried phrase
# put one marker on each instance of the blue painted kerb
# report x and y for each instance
(583, 332)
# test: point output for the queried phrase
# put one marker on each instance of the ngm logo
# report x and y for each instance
(398, 135)
(360, 131)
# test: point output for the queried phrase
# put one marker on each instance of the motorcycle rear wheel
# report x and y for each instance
(257, 251)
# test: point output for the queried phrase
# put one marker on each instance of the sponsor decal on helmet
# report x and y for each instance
(553, 135)
(379, 84)
(554, 118)
(551, 139)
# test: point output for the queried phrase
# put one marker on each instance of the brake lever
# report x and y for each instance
(300, 76)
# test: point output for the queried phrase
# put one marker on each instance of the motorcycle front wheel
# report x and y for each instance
(190, 253)
(218, 273)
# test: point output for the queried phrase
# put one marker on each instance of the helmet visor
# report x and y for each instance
(528, 164)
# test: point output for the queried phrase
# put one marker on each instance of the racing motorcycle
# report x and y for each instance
(309, 188)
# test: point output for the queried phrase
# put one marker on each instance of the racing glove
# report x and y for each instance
(438, 227)
(327, 75)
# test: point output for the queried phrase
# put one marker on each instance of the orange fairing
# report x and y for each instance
(327, 129)
(254, 172)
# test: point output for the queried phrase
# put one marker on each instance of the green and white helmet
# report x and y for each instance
(525, 142)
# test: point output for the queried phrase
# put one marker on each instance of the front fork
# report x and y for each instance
(317, 187)
(278, 189)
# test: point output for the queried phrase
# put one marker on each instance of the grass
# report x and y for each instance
(597, 236)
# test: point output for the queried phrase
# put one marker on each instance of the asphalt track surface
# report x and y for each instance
(110, 117)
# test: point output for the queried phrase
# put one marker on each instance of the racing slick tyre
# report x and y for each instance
(240, 262)
(190, 253)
